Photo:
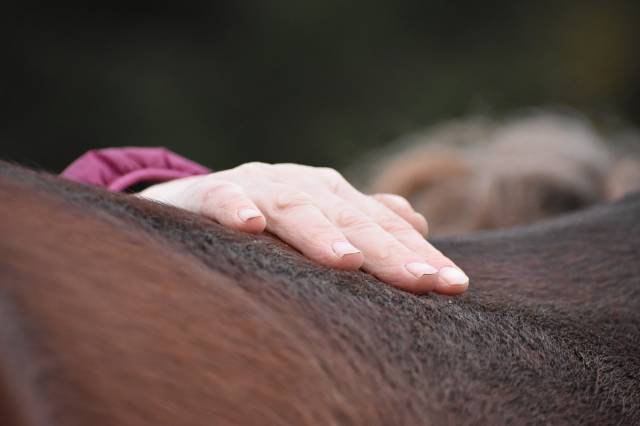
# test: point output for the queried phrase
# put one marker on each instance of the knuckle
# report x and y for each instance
(291, 166)
(215, 188)
(232, 201)
(349, 218)
(386, 256)
(292, 170)
(333, 178)
(318, 237)
(330, 173)
(254, 167)
(394, 225)
(222, 193)
(288, 200)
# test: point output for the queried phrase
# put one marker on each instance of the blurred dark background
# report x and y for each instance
(313, 81)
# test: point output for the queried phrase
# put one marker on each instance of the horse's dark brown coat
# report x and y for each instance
(117, 311)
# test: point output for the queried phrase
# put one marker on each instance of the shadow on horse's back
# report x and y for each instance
(115, 310)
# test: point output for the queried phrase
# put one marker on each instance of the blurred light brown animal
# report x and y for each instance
(476, 174)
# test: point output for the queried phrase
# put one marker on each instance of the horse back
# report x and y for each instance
(119, 311)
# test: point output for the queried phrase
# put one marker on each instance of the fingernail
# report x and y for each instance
(342, 248)
(453, 276)
(246, 214)
(420, 269)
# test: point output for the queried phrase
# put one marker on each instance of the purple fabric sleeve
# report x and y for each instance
(117, 169)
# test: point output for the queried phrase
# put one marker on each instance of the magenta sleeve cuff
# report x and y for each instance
(117, 169)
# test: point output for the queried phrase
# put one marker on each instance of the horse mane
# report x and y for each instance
(117, 310)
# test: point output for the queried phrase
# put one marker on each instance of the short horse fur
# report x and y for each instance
(120, 311)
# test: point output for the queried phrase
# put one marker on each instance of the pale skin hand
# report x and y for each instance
(319, 213)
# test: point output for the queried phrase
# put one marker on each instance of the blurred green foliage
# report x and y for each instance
(314, 81)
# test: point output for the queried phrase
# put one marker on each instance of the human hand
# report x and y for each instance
(319, 213)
